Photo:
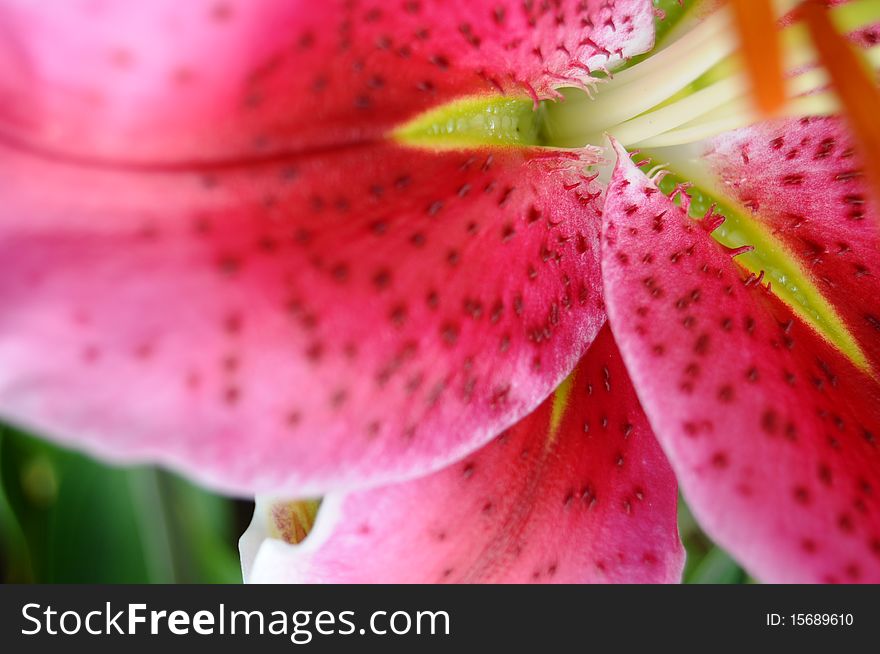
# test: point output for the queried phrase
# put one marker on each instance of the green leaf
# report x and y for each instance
(65, 518)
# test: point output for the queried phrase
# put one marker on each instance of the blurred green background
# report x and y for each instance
(65, 518)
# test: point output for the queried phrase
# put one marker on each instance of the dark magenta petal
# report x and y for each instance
(772, 432)
(592, 500)
(806, 183)
(217, 262)
(313, 323)
(167, 80)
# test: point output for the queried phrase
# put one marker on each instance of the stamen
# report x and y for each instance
(679, 113)
(705, 127)
(722, 106)
(759, 44)
(856, 89)
(695, 87)
(636, 90)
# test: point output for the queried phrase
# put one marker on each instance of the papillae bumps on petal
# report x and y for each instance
(315, 323)
(804, 181)
(226, 79)
(772, 431)
(592, 500)
(218, 262)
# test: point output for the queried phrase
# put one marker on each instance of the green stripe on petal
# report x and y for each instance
(787, 278)
(474, 122)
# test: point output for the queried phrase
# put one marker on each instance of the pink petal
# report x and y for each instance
(206, 79)
(593, 502)
(771, 431)
(803, 180)
(309, 324)
(867, 37)
(216, 261)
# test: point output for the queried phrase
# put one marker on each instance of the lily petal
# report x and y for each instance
(205, 79)
(772, 431)
(235, 272)
(578, 491)
(804, 181)
(314, 323)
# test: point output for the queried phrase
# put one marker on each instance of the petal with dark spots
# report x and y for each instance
(169, 81)
(217, 261)
(578, 492)
(771, 430)
(313, 323)
(804, 181)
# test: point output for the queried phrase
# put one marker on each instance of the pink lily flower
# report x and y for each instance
(307, 250)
